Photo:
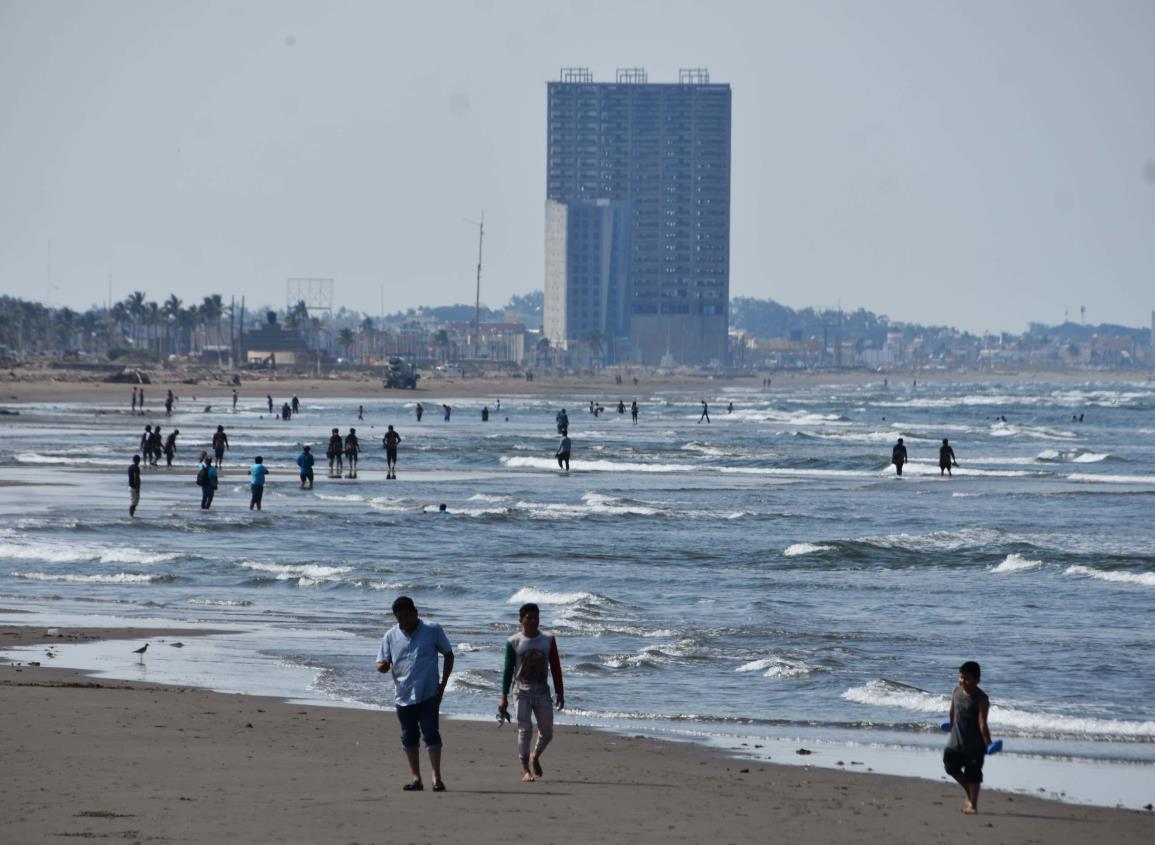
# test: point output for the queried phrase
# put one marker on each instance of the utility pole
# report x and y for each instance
(480, 224)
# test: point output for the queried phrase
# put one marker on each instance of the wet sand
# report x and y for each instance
(142, 762)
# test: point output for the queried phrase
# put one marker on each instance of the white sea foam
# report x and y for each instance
(1077, 456)
(940, 540)
(595, 465)
(221, 602)
(119, 578)
(797, 549)
(308, 574)
(1145, 579)
(532, 594)
(778, 667)
(883, 693)
(1017, 563)
(1111, 479)
(59, 553)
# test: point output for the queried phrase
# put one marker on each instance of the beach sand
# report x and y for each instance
(100, 759)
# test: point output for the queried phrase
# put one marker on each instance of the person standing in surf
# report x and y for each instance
(563, 453)
(133, 485)
(705, 412)
(969, 734)
(898, 456)
(335, 453)
(530, 658)
(220, 443)
(390, 441)
(352, 452)
(946, 458)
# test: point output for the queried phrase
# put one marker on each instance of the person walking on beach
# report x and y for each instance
(898, 456)
(257, 474)
(220, 443)
(390, 441)
(528, 653)
(352, 451)
(305, 462)
(946, 458)
(705, 412)
(969, 734)
(563, 452)
(170, 447)
(133, 485)
(207, 478)
(409, 649)
(335, 453)
(360, 412)
(634, 411)
(234, 400)
(146, 442)
(419, 410)
(134, 398)
(269, 400)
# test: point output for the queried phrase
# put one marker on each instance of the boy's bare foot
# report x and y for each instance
(536, 766)
(969, 809)
(527, 777)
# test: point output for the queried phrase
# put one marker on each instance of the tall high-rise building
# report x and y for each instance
(637, 221)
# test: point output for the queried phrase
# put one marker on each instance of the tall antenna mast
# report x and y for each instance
(480, 224)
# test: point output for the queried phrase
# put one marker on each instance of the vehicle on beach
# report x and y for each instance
(400, 374)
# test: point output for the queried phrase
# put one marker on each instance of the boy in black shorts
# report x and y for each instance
(969, 735)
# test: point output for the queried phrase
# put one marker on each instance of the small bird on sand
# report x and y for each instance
(141, 651)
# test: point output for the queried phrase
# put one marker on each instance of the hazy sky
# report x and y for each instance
(976, 163)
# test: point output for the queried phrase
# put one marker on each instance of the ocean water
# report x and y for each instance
(756, 582)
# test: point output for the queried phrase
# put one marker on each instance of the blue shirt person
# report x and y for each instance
(409, 651)
(305, 462)
(257, 473)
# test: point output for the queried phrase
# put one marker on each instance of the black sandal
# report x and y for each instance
(438, 786)
(415, 786)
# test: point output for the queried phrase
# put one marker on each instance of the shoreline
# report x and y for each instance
(36, 385)
(89, 757)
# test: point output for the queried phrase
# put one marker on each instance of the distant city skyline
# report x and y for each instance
(982, 165)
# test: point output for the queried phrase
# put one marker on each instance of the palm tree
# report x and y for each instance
(369, 332)
(211, 310)
(345, 339)
(171, 310)
(134, 305)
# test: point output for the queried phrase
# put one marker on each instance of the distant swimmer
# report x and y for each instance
(419, 410)
(352, 451)
(562, 419)
(945, 458)
(335, 453)
(634, 411)
(257, 474)
(390, 441)
(134, 485)
(442, 509)
(220, 443)
(563, 451)
(705, 412)
(497, 406)
(898, 456)
(305, 462)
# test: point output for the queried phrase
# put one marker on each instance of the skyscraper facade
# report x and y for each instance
(638, 217)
